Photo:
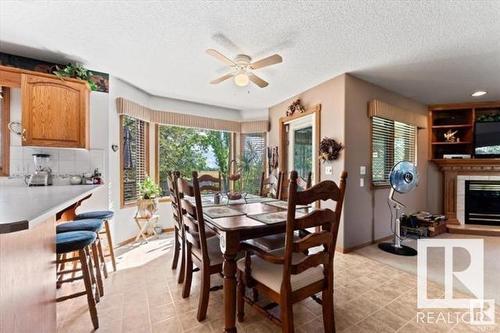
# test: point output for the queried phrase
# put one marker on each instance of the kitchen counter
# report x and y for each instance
(28, 219)
(23, 207)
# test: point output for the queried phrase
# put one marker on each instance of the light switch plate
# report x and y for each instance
(361, 182)
(362, 170)
(329, 170)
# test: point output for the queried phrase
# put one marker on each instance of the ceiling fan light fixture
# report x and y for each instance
(241, 79)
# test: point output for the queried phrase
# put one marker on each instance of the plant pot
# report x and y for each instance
(146, 208)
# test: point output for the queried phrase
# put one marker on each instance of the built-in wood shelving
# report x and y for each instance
(455, 117)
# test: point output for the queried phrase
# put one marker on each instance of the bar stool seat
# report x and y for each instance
(94, 225)
(74, 241)
(105, 216)
(98, 214)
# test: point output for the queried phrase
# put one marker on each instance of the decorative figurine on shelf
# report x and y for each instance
(450, 136)
(295, 107)
(329, 149)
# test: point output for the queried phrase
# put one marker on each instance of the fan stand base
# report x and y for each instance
(401, 251)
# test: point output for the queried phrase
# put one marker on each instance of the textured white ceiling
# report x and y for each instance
(433, 51)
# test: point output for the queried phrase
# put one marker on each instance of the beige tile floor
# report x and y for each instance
(143, 296)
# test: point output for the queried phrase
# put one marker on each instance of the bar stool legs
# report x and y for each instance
(85, 259)
(87, 273)
(101, 256)
(107, 230)
(95, 256)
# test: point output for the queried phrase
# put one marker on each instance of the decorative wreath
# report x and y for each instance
(329, 149)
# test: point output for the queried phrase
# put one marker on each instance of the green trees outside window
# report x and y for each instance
(188, 149)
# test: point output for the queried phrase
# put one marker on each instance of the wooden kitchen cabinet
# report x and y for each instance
(55, 112)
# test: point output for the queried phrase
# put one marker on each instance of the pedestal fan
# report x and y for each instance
(403, 179)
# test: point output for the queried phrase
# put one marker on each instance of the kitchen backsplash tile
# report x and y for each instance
(63, 162)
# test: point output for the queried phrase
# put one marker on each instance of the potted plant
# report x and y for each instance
(76, 71)
(149, 192)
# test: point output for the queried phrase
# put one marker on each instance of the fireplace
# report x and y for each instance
(482, 202)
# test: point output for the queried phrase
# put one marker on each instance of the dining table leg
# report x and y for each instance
(229, 246)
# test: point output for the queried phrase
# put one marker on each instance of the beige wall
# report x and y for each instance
(344, 103)
(366, 213)
(331, 96)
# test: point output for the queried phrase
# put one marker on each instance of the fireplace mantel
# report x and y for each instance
(451, 168)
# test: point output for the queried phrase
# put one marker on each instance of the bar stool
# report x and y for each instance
(105, 216)
(79, 241)
(92, 225)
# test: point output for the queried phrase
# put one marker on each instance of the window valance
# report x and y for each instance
(132, 109)
(377, 108)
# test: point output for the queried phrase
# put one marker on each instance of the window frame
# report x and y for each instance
(5, 140)
(133, 203)
(386, 184)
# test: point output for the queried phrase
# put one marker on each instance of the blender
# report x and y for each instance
(43, 174)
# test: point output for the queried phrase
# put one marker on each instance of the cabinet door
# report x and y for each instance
(55, 112)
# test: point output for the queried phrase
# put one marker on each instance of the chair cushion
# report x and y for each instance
(271, 242)
(81, 225)
(74, 240)
(214, 252)
(271, 275)
(99, 214)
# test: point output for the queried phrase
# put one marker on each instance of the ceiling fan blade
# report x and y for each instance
(271, 60)
(222, 78)
(221, 57)
(257, 80)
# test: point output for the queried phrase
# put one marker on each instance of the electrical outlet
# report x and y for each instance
(328, 170)
(361, 182)
(362, 170)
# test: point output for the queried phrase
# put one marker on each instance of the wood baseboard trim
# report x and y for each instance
(357, 247)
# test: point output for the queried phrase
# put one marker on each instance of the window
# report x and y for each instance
(4, 130)
(134, 155)
(253, 150)
(392, 142)
(187, 149)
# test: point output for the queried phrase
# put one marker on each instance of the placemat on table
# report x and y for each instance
(221, 211)
(284, 205)
(271, 218)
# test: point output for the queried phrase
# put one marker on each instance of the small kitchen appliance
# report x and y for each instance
(43, 174)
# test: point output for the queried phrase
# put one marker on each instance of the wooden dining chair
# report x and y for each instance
(302, 184)
(274, 242)
(289, 276)
(202, 246)
(271, 186)
(177, 212)
(209, 183)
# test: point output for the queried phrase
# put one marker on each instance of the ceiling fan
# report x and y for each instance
(242, 68)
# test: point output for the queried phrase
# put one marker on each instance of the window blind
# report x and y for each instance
(253, 150)
(392, 142)
(134, 155)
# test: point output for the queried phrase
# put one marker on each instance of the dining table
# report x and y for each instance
(245, 219)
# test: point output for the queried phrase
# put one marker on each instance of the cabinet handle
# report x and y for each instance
(23, 137)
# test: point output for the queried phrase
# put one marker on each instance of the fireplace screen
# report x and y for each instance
(482, 202)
